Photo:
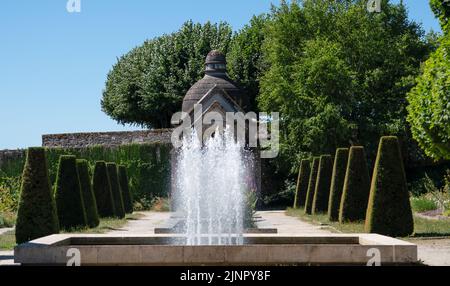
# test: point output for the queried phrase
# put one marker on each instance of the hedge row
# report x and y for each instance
(73, 204)
(344, 190)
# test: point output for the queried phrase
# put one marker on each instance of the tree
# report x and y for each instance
(36, 216)
(389, 210)
(147, 85)
(337, 183)
(90, 204)
(68, 195)
(244, 57)
(355, 193)
(429, 109)
(323, 183)
(115, 190)
(102, 190)
(337, 74)
(302, 183)
(311, 185)
(127, 198)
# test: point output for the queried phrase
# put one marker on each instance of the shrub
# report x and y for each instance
(389, 210)
(337, 183)
(355, 193)
(115, 190)
(302, 183)
(68, 195)
(36, 216)
(323, 183)
(123, 181)
(102, 191)
(423, 204)
(90, 204)
(311, 185)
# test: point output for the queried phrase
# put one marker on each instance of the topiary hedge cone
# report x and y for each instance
(90, 204)
(323, 183)
(337, 183)
(36, 216)
(355, 193)
(302, 183)
(68, 195)
(115, 190)
(102, 191)
(389, 210)
(311, 185)
(124, 186)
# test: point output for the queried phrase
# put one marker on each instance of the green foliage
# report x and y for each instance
(127, 197)
(90, 204)
(355, 193)
(311, 185)
(423, 204)
(115, 190)
(338, 73)
(147, 85)
(37, 212)
(441, 9)
(323, 183)
(429, 104)
(389, 210)
(102, 190)
(244, 57)
(68, 195)
(337, 183)
(302, 183)
(9, 193)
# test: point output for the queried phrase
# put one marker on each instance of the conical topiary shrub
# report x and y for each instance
(337, 183)
(355, 193)
(126, 194)
(36, 216)
(115, 190)
(88, 195)
(323, 183)
(302, 183)
(311, 185)
(389, 210)
(68, 196)
(102, 191)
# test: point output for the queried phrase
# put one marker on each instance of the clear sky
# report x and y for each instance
(53, 64)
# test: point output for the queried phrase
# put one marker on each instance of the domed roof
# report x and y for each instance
(215, 75)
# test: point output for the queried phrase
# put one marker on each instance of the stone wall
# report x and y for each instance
(80, 140)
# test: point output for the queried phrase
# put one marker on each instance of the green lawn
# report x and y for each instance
(8, 240)
(422, 227)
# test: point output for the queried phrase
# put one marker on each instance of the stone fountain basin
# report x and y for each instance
(259, 249)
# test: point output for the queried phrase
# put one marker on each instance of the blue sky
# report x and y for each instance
(54, 63)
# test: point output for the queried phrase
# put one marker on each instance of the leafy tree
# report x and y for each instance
(429, 107)
(337, 74)
(68, 195)
(36, 216)
(147, 85)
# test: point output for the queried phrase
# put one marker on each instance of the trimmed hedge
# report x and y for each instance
(123, 181)
(355, 193)
(68, 195)
(102, 191)
(323, 183)
(36, 216)
(302, 183)
(311, 185)
(115, 190)
(90, 204)
(389, 210)
(337, 183)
